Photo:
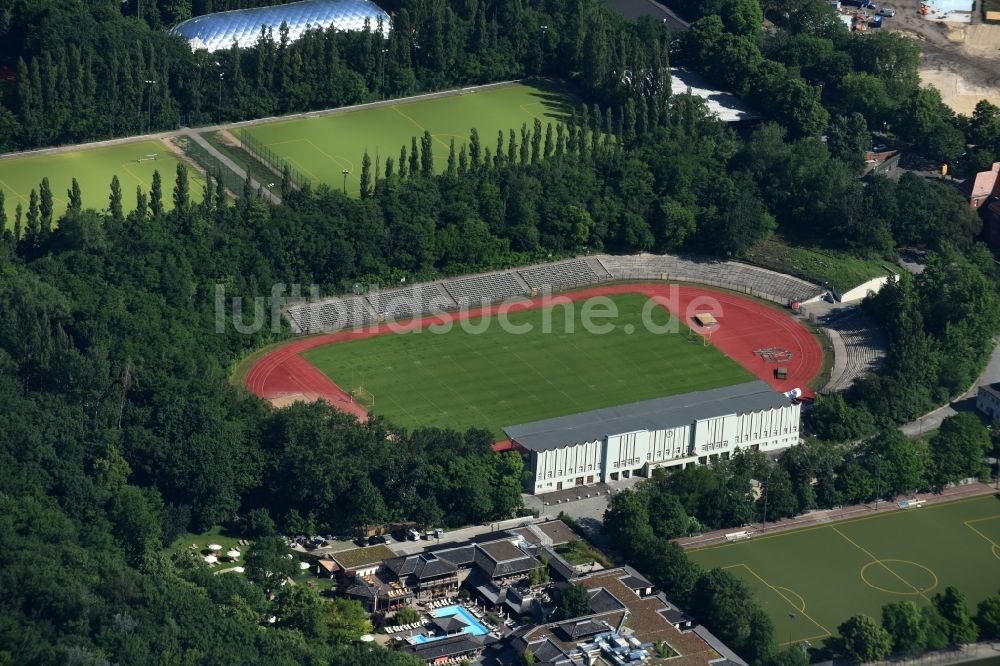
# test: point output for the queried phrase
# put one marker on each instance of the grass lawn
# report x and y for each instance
(579, 551)
(216, 535)
(494, 378)
(93, 168)
(842, 270)
(321, 148)
(359, 556)
(824, 575)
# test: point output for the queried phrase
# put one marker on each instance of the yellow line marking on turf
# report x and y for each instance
(337, 160)
(294, 162)
(798, 596)
(884, 565)
(817, 637)
(903, 594)
(16, 193)
(396, 109)
(849, 521)
(779, 593)
(533, 115)
(994, 544)
(132, 173)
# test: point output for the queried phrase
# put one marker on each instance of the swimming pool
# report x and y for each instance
(474, 628)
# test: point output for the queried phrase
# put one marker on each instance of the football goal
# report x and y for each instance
(147, 158)
(364, 396)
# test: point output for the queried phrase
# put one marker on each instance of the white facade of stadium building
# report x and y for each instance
(615, 443)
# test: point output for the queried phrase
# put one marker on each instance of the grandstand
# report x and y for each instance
(478, 290)
(487, 288)
(409, 302)
(561, 275)
(330, 315)
(732, 275)
(858, 347)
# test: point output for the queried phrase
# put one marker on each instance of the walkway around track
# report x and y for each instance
(231, 165)
(822, 517)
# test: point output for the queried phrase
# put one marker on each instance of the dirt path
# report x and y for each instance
(961, 60)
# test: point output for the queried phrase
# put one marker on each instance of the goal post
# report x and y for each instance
(147, 158)
(364, 396)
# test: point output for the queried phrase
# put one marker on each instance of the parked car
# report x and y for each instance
(886, 11)
(361, 542)
(377, 539)
(412, 535)
(880, 148)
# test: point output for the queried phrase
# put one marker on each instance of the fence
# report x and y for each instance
(211, 164)
(270, 159)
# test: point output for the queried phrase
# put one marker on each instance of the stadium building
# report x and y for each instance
(215, 32)
(614, 443)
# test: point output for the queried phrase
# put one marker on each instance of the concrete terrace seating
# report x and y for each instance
(408, 302)
(331, 315)
(862, 352)
(726, 274)
(478, 290)
(560, 275)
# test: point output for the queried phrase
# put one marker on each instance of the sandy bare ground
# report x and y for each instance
(961, 60)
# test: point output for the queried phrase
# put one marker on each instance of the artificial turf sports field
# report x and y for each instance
(322, 147)
(825, 574)
(460, 379)
(93, 168)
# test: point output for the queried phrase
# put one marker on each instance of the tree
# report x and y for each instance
(266, 562)
(32, 232)
(115, 200)
(475, 150)
(626, 520)
(155, 195)
(414, 157)
(953, 608)
(365, 183)
(905, 624)
(45, 208)
(893, 461)
(300, 607)
(848, 138)
(988, 617)
(407, 616)
(863, 639)
(958, 449)
(571, 601)
(725, 605)
(135, 525)
(3, 216)
(452, 164)
(426, 155)
(182, 197)
(75, 197)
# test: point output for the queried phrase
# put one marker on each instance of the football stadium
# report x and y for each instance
(676, 373)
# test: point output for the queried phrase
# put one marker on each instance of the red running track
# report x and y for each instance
(744, 325)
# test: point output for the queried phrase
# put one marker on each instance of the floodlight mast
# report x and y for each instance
(149, 113)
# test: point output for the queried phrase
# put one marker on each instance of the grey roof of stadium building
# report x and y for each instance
(655, 414)
(218, 31)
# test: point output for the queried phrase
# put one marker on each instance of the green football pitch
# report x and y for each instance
(93, 168)
(321, 148)
(494, 378)
(810, 580)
